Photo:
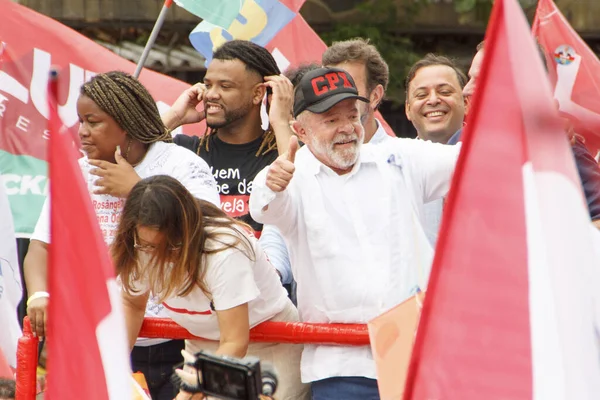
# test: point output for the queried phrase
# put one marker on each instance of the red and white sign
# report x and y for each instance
(574, 71)
(511, 307)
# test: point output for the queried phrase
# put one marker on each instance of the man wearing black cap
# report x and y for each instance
(349, 214)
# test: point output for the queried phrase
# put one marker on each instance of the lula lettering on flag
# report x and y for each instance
(87, 345)
(574, 71)
(10, 282)
(32, 43)
(510, 307)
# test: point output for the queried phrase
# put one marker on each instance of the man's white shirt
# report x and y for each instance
(356, 242)
(432, 211)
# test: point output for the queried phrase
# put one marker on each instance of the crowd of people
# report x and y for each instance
(321, 200)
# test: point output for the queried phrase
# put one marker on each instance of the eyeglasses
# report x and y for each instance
(150, 248)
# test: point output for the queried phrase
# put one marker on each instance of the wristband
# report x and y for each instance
(37, 295)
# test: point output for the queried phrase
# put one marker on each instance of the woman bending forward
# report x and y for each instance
(209, 273)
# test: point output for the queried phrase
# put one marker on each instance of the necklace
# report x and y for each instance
(127, 154)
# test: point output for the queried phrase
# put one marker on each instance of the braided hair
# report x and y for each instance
(129, 103)
(257, 59)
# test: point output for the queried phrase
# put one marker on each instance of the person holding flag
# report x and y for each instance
(124, 140)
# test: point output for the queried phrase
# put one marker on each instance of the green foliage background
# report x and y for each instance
(379, 21)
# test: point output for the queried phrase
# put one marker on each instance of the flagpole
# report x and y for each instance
(157, 25)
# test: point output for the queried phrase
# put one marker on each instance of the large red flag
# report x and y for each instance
(509, 312)
(87, 345)
(574, 71)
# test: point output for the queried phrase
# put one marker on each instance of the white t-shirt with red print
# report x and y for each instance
(161, 159)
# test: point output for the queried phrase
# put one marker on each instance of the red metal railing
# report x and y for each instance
(272, 332)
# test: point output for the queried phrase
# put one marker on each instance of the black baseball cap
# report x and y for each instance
(323, 88)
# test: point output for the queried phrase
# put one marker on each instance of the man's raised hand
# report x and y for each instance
(282, 101)
(184, 111)
(280, 173)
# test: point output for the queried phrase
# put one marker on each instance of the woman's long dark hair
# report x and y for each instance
(185, 224)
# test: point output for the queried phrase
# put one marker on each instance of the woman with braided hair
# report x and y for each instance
(123, 140)
(235, 144)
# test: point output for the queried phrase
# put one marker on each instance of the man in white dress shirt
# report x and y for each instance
(350, 215)
(370, 73)
(436, 107)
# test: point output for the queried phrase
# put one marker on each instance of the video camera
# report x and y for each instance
(228, 378)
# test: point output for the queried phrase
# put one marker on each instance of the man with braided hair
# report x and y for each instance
(124, 140)
(235, 146)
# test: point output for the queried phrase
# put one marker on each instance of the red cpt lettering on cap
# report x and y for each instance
(347, 83)
(330, 81)
(319, 90)
(333, 79)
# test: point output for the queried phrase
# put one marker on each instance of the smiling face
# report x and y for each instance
(335, 136)
(231, 92)
(99, 132)
(435, 104)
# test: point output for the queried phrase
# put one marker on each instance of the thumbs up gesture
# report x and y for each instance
(282, 170)
(114, 179)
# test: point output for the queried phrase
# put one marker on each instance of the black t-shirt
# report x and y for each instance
(234, 167)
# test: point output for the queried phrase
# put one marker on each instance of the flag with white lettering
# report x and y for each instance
(31, 43)
(10, 282)
(510, 312)
(88, 352)
(574, 70)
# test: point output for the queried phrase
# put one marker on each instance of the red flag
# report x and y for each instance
(87, 345)
(509, 311)
(574, 71)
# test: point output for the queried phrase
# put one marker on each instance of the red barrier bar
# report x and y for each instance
(272, 332)
(27, 361)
